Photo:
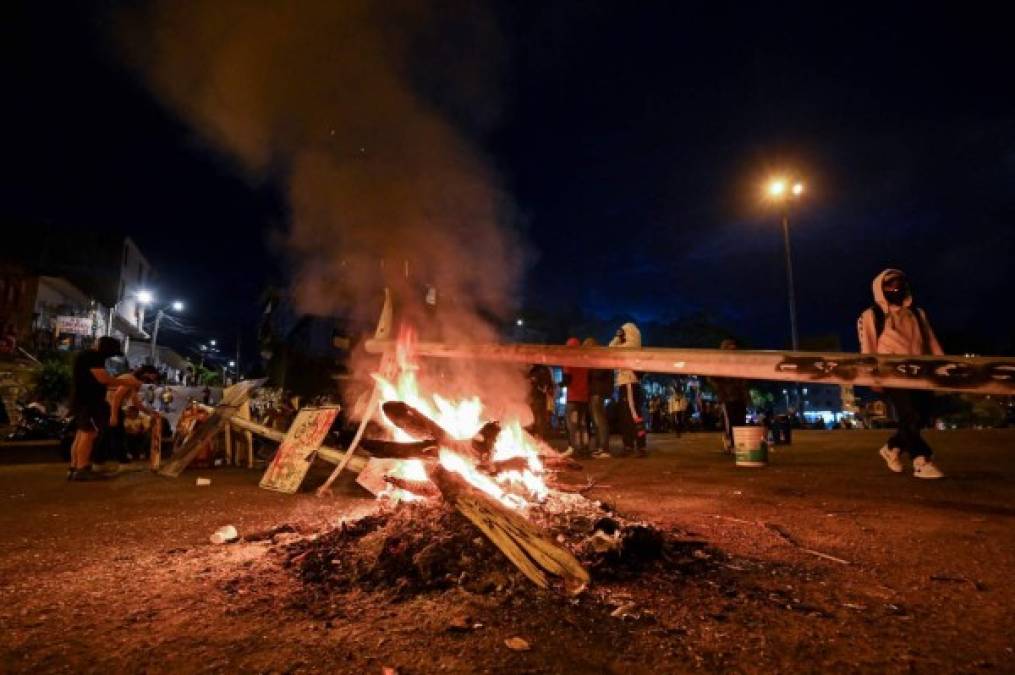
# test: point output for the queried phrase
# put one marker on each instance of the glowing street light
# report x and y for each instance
(777, 188)
(145, 297)
(176, 306)
(520, 322)
(212, 343)
(232, 364)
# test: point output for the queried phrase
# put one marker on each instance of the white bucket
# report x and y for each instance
(749, 446)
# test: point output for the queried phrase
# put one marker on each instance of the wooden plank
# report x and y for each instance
(229, 444)
(244, 413)
(232, 398)
(296, 452)
(155, 447)
(327, 453)
(979, 375)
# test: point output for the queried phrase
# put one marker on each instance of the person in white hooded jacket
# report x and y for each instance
(631, 396)
(894, 326)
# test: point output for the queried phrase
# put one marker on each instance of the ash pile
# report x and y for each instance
(416, 548)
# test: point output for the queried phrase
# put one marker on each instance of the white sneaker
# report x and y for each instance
(891, 457)
(568, 452)
(924, 468)
(602, 454)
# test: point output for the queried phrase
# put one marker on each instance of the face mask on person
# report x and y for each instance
(896, 296)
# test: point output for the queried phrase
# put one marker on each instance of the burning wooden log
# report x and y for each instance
(512, 464)
(396, 450)
(414, 423)
(421, 488)
(486, 438)
(537, 556)
(524, 544)
(418, 425)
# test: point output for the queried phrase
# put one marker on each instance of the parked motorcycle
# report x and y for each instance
(35, 424)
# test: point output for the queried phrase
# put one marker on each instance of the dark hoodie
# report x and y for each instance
(600, 381)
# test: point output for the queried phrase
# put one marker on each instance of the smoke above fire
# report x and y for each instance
(369, 113)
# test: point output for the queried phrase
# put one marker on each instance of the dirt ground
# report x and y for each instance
(822, 562)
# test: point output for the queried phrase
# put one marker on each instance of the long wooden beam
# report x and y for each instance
(328, 454)
(980, 375)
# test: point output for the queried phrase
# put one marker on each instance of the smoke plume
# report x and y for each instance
(369, 113)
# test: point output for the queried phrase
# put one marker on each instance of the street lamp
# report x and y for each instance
(782, 191)
(177, 306)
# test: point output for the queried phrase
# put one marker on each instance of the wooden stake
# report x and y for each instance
(228, 432)
(375, 396)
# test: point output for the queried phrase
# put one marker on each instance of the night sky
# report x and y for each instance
(633, 139)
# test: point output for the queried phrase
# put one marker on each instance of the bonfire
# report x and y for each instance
(493, 472)
(437, 458)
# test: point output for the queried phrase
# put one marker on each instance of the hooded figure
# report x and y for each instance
(632, 427)
(628, 337)
(894, 326)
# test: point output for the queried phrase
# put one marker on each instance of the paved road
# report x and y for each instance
(119, 576)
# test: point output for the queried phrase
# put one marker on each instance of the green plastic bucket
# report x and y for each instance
(750, 448)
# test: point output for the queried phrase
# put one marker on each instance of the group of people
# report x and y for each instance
(669, 413)
(892, 325)
(589, 392)
(110, 405)
(98, 401)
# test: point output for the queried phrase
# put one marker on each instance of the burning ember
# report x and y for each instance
(501, 460)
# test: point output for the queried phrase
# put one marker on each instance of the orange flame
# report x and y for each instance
(463, 419)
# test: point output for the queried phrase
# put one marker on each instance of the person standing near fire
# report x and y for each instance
(88, 403)
(600, 391)
(630, 395)
(576, 409)
(540, 396)
(733, 397)
(677, 407)
(126, 391)
(892, 325)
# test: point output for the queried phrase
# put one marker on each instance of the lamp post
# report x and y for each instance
(782, 192)
(176, 306)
